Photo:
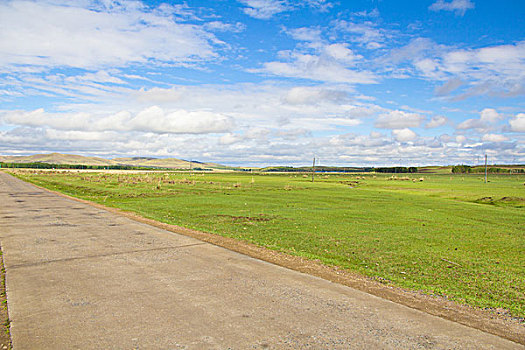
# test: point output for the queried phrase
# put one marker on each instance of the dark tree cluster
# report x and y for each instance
(396, 170)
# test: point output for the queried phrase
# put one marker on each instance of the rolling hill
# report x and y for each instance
(72, 159)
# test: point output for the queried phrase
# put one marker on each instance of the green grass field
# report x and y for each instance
(448, 235)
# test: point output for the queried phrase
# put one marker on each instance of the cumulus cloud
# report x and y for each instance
(341, 53)
(225, 27)
(497, 70)
(404, 135)
(320, 5)
(320, 67)
(437, 121)
(517, 123)
(353, 139)
(262, 104)
(398, 120)
(92, 34)
(450, 86)
(319, 61)
(459, 7)
(461, 139)
(471, 124)
(159, 95)
(306, 34)
(303, 95)
(494, 138)
(264, 9)
(317, 68)
(492, 62)
(416, 49)
(366, 33)
(487, 116)
(152, 119)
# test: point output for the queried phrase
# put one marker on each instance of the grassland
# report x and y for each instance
(447, 235)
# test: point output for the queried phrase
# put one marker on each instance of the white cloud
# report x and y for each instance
(471, 124)
(497, 70)
(321, 5)
(437, 121)
(493, 70)
(505, 61)
(319, 61)
(229, 139)
(94, 136)
(264, 9)
(100, 76)
(487, 116)
(266, 104)
(266, 122)
(91, 34)
(341, 53)
(225, 27)
(152, 119)
(398, 120)
(494, 138)
(416, 49)
(461, 139)
(303, 95)
(517, 123)
(366, 33)
(306, 34)
(404, 135)
(458, 6)
(450, 86)
(319, 68)
(159, 95)
(364, 141)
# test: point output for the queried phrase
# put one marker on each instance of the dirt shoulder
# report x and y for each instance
(490, 321)
(5, 337)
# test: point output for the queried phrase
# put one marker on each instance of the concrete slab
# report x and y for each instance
(79, 277)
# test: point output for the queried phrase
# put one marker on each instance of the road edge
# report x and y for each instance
(5, 328)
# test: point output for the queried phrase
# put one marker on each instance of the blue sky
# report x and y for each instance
(265, 82)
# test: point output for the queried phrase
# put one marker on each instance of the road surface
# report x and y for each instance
(79, 277)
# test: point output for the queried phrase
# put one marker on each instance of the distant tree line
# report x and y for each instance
(466, 169)
(494, 170)
(397, 169)
(318, 169)
(461, 169)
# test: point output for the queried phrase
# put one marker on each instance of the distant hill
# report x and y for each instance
(57, 158)
(72, 159)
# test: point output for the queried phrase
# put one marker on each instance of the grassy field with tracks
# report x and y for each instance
(448, 235)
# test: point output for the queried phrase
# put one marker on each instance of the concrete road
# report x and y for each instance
(79, 277)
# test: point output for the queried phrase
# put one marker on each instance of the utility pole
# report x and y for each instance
(313, 170)
(485, 168)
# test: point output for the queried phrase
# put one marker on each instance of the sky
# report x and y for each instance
(266, 82)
